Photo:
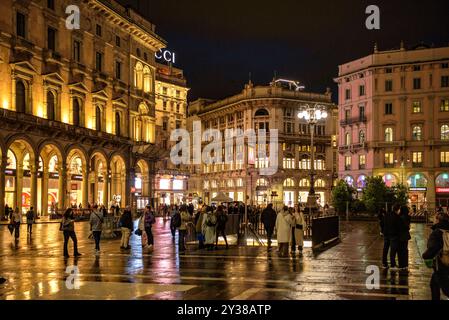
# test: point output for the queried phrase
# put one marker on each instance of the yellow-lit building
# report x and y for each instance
(171, 182)
(77, 107)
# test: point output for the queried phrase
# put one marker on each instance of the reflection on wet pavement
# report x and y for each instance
(35, 269)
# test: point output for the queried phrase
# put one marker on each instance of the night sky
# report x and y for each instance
(218, 43)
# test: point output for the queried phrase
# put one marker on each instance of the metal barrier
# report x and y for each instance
(325, 230)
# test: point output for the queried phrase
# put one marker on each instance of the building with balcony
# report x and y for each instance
(394, 121)
(275, 106)
(77, 107)
(171, 181)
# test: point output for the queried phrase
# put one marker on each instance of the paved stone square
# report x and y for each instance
(35, 269)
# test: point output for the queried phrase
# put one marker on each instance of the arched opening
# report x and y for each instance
(442, 189)
(147, 81)
(21, 176)
(118, 180)
(50, 180)
(51, 106)
(77, 179)
(261, 113)
(390, 180)
(361, 182)
(20, 97)
(389, 135)
(138, 75)
(141, 183)
(98, 180)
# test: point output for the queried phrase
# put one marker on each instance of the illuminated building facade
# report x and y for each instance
(394, 121)
(170, 183)
(275, 106)
(77, 107)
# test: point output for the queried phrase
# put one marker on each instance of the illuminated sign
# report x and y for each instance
(418, 189)
(442, 190)
(10, 172)
(166, 55)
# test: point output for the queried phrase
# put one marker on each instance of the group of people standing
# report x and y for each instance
(395, 228)
(289, 225)
(15, 220)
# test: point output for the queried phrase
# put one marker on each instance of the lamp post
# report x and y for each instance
(312, 114)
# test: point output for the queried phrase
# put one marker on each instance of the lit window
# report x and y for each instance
(417, 108)
(417, 133)
(445, 132)
(389, 135)
(289, 183)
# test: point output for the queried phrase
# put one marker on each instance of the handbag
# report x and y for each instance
(299, 226)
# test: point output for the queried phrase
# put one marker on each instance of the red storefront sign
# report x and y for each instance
(442, 190)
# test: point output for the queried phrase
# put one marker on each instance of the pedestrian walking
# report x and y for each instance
(269, 221)
(31, 219)
(299, 224)
(16, 220)
(6, 216)
(68, 229)
(209, 228)
(284, 221)
(437, 257)
(96, 226)
(126, 225)
(222, 219)
(182, 229)
(391, 237)
(404, 237)
(199, 219)
(149, 220)
(175, 222)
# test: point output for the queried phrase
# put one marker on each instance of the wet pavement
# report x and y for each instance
(35, 269)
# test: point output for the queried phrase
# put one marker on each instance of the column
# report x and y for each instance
(128, 181)
(62, 186)
(85, 185)
(33, 170)
(44, 193)
(106, 183)
(431, 199)
(19, 184)
(2, 186)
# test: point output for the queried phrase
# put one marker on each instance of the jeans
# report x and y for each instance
(293, 243)
(221, 232)
(181, 240)
(385, 251)
(29, 227)
(269, 232)
(394, 249)
(72, 235)
(200, 237)
(17, 230)
(126, 233)
(439, 282)
(149, 232)
(403, 254)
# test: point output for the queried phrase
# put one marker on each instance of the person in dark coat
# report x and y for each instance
(268, 219)
(404, 237)
(432, 257)
(381, 217)
(391, 237)
(127, 226)
(222, 219)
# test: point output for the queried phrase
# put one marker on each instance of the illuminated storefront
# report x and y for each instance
(442, 189)
(417, 184)
(390, 180)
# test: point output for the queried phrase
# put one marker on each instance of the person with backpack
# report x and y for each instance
(182, 229)
(30, 220)
(68, 229)
(437, 257)
(96, 225)
(268, 219)
(222, 219)
(126, 224)
(149, 220)
(209, 228)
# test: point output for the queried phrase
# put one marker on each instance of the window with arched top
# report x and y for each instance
(444, 132)
(347, 139)
(51, 99)
(417, 133)
(262, 183)
(147, 80)
(98, 116)
(362, 136)
(389, 135)
(117, 123)
(20, 97)
(138, 76)
(289, 183)
(76, 112)
(320, 183)
(304, 183)
(261, 113)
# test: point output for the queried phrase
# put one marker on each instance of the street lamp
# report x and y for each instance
(312, 114)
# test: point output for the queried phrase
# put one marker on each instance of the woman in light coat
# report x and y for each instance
(284, 223)
(209, 229)
(300, 227)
